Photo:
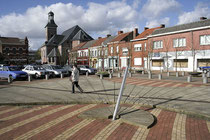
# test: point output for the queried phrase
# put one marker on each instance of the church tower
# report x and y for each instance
(51, 27)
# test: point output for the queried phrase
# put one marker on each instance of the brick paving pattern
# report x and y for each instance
(62, 122)
(154, 83)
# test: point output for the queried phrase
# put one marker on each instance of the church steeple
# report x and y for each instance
(51, 27)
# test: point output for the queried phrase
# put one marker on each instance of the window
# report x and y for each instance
(125, 51)
(137, 61)
(14, 50)
(203, 62)
(158, 44)
(106, 52)
(20, 50)
(137, 47)
(111, 49)
(7, 50)
(99, 53)
(157, 63)
(95, 52)
(117, 49)
(145, 46)
(205, 40)
(181, 63)
(179, 42)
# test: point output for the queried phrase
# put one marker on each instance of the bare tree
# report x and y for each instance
(150, 53)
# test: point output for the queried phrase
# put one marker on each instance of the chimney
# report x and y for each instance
(203, 18)
(162, 25)
(99, 37)
(145, 28)
(135, 32)
(120, 32)
(108, 35)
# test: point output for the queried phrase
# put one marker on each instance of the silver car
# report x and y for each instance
(55, 69)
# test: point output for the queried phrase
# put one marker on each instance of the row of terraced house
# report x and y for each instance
(182, 47)
(179, 48)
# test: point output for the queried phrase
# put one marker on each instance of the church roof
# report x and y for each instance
(55, 40)
(75, 33)
(53, 52)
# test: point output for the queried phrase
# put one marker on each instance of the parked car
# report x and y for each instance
(13, 72)
(88, 69)
(35, 70)
(56, 69)
(205, 69)
(69, 68)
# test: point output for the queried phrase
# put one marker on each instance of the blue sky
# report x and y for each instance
(20, 18)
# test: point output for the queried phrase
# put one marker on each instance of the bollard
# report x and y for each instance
(142, 72)
(47, 77)
(101, 76)
(10, 79)
(177, 74)
(29, 78)
(205, 80)
(119, 75)
(110, 76)
(203, 75)
(87, 73)
(168, 74)
(150, 75)
(160, 76)
(61, 75)
(183, 73)
(130, 74)
(189, 78)
(208, 74)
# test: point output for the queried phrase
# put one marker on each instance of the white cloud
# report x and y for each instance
(136, 3)
(155, 8)
(95, 19)
(157, 22)
(200, 10)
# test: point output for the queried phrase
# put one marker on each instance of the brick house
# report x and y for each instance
(56, 48)
(80, 54)
(139, 48)
(14, 50)
(180, 48)
(118, 49)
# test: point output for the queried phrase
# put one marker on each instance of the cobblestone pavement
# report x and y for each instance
(62, 122)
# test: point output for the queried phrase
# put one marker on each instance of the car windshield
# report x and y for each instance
(87, 66)
(38, 68)
(14, 69)
(56, 67)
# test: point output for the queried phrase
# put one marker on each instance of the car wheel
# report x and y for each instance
(36, 76)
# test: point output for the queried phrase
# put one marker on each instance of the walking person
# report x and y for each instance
(75, 79)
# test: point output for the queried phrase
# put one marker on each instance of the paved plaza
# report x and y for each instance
(48, 110)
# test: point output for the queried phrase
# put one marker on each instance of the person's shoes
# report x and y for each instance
(81, 91)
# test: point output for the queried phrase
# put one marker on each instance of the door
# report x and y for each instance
(123, 62)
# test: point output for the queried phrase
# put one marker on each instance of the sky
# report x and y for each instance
(21, 18)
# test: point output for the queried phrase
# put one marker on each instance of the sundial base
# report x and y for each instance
(128, 115)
